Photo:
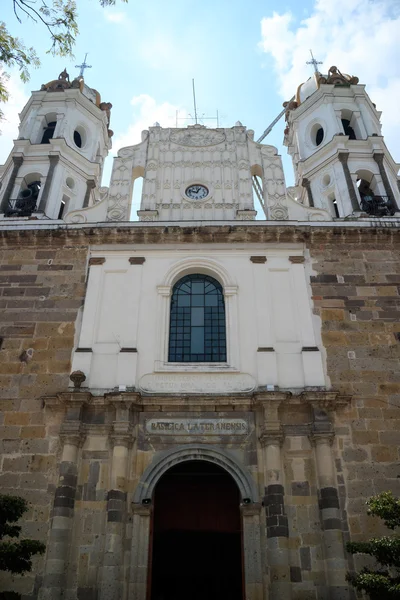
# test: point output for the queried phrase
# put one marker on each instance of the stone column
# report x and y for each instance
(55, 577)
(112, 572)
(17, 160)
(53, 159)
(306, 184)
(59, 128)
(90, 185)
(138, 576)
(335, 561)
(360, 124)
(343, 158)
(251, 549)
(378, 158)
(277, 522)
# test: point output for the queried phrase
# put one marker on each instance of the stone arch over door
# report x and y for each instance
(142, 510)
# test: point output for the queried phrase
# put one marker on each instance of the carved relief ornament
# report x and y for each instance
(197, 137)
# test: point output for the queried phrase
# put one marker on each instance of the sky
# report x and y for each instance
(246, 57)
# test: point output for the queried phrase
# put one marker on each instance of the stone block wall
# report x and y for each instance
(356, 292)
(42, 286)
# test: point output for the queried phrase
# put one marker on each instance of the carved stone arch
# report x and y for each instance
(162, 463)
(141, 518)
(198, 264)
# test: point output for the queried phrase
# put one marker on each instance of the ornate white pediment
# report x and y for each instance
(197, 137)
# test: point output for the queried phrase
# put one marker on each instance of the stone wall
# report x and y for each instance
(356, 290)
(42, 286)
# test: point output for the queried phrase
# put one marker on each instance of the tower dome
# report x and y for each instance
(334, 77)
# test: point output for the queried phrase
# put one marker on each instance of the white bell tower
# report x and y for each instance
(334, 136)
(56, 163)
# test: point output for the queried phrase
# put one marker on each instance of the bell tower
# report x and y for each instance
(56, 162)
(341, 163)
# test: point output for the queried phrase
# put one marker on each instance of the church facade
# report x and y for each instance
(199, 403)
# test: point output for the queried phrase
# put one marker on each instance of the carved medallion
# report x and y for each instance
(197, 137)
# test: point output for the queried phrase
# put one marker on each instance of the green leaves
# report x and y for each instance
(384, 583)
(15, 556)
(386, 507)
(11, 509)
(59, 17)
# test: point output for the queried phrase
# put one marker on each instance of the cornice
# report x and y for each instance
(326, 399)
(58, 234)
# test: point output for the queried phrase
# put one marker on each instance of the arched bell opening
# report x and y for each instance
(27, 199)
(137, 192)
(372, 202)
(196, 534)
(48, 128)
(350, 124)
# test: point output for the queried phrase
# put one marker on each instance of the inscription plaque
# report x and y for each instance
(196, 383)
(197, 426)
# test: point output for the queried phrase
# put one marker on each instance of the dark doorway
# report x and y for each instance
(197, 548)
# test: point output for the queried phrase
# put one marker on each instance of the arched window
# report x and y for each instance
(348, 130)
(350, 124)
(197, 321)
(48, 132)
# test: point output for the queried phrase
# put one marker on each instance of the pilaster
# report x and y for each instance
(112, 573)
(58, 547)
(322, 438)
(53, 159)
(17, 162)
(271, 440)
(90, 185)
(343, 159)
(378, 158)
(307, 185)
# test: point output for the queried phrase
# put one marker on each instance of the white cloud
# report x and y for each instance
(146, 112)
(360, 37)
(115, 17)
(9, 126)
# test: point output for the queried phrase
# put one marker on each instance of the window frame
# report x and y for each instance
(182, 314)
(201, 266)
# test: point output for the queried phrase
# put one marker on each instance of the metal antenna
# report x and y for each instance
(194, 102)
(314, 62)
(198, 119)
(83, 66)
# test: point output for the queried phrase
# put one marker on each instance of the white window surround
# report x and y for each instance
(314, 125)
(205, 266)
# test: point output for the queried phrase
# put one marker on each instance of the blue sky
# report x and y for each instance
(246, 58)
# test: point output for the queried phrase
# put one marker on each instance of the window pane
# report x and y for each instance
(198, 287)
(211, 300)
(183, 300)
(197, 342)
(197, 317)
(197, 300)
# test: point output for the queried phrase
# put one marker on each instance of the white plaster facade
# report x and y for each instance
(272, 337)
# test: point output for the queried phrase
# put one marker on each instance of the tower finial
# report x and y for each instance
(314, 62)
(83, 66)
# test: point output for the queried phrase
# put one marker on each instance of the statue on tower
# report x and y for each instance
(63, 76)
